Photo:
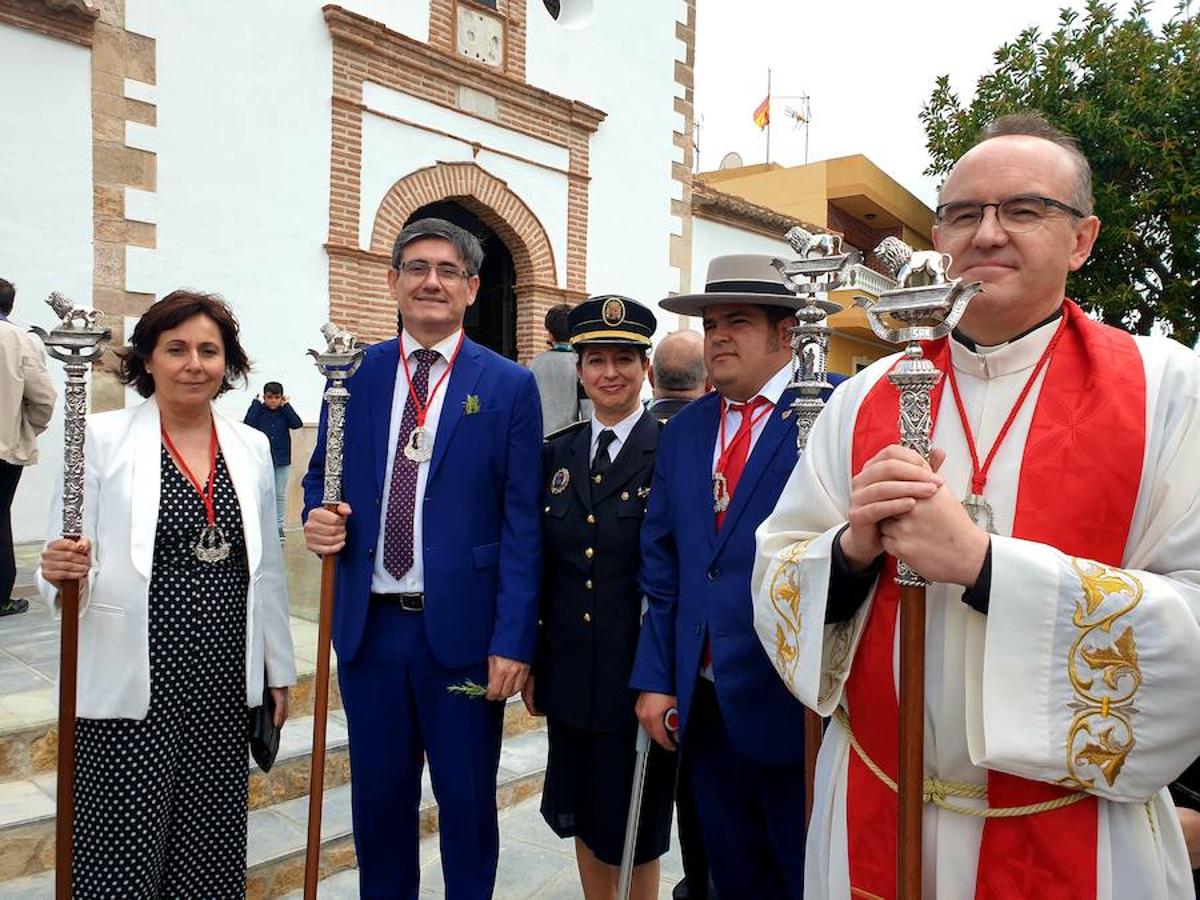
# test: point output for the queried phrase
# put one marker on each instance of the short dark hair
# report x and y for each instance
(1031, 123)
(171, 312)
(470, 251)
(776, 314)
(557, 322)
(8, 293)
(273, 387)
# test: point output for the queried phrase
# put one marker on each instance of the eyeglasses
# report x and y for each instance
(418, 270)
(1016, 214)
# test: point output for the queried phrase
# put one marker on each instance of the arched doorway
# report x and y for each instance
(492, 319)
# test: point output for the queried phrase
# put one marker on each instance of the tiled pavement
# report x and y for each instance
(535, 864)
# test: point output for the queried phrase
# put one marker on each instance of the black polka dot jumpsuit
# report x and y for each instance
(160, 808)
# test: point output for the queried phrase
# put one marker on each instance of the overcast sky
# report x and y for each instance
(868, 68)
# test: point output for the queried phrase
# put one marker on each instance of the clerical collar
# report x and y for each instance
(975, 348)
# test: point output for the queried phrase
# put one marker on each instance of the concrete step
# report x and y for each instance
(533, 862)
(29, 718)
(275, 851)
(27, 804)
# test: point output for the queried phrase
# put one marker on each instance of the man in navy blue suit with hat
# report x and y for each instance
(440, 557)
(721, 465)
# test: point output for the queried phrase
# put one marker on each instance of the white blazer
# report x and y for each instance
(122, 486)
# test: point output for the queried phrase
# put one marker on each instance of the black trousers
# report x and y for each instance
(9, 476)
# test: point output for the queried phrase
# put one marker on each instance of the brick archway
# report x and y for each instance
(486, 196)
(358, 278)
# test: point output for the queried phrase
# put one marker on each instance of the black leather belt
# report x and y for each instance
(407, 602)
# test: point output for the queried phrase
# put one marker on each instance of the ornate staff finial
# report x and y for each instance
(340, 360)
(925, 305)
(77, 342)
(822, 267)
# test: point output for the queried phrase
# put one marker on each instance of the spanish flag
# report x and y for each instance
(762, 115)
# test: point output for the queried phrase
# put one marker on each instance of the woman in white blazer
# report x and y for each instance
(183, 613)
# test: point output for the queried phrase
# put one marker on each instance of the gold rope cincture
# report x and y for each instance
(936, 790)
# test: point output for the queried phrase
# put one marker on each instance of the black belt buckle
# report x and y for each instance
(411, 602)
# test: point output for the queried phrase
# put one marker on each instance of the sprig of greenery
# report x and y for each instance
(469, 689)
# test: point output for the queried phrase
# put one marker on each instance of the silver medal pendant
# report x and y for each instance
(980, 512)
(419, 446)
(720, 489)
(212, 547)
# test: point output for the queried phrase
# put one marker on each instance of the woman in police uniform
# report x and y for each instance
(596, 480)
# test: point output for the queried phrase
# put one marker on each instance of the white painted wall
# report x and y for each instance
(392, 150)
(45, 214)
(711, 239)
(242, 141)
(622, 61)
(243, 176)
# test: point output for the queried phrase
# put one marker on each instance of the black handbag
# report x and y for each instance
(264, 736)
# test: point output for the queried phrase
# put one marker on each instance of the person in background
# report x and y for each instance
(677, 373)
(184, 614)
(26, 404)
(678, 377)
(273, 416)
(554, 372)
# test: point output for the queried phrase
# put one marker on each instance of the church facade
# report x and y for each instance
(270, 151)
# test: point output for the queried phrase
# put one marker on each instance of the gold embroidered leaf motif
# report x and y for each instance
(788, 592)
(1107, 755)
(784, 651)
(1117, 659)
(1097, 586)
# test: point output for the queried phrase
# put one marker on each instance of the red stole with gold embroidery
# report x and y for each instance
(1080, 474)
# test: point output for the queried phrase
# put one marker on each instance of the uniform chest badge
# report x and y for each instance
(560, 480)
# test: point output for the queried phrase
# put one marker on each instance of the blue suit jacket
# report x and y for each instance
(481, 520)
(697, 579)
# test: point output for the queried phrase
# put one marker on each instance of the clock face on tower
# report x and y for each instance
(481, 37)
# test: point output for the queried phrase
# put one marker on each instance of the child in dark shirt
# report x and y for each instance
(274, 417)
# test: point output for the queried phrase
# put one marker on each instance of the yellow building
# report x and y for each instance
(849, 195)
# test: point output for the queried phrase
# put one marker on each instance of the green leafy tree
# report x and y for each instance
(1131, 97)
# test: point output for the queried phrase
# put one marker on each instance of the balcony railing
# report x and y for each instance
(869, 281)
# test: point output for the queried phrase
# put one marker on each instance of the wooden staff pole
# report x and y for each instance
(68, 674)
(77, 342)
(814, 731)
(339, 361)
(912, 739)
(316, 776)
(915, 377)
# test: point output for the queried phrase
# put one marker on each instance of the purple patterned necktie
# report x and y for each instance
(402, 498)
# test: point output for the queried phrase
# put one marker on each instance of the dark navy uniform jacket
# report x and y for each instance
(591, 604)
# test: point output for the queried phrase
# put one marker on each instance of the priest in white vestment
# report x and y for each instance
(1062, 648)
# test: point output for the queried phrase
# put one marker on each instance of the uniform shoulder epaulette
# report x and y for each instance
(570, 429)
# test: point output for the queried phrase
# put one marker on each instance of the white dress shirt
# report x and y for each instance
(772, 390)
(622, 431)
(382, 581)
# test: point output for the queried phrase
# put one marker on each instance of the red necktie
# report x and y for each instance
(731, 463)
(733, 457)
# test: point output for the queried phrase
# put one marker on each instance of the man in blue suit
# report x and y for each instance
(721, 465)
(437, 584)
